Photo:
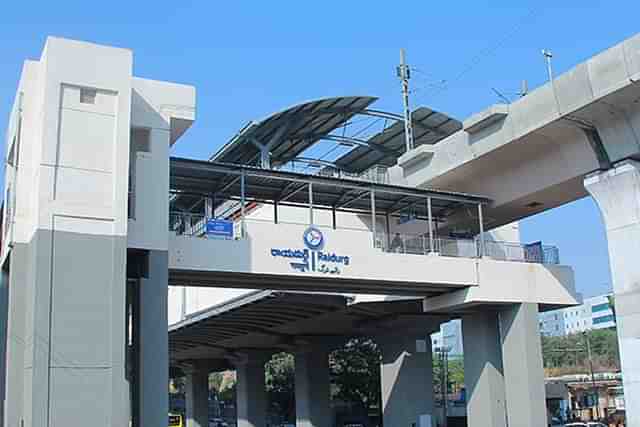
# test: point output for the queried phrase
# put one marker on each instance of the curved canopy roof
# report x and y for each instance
(384, 148)
(290, 132)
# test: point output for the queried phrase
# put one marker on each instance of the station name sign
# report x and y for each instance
(313, 257)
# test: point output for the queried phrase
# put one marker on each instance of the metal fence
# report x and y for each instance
(414, 244)
(378, 174)
(186, 224)
(467, 248)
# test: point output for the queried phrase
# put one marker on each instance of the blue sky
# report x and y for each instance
(248, 59)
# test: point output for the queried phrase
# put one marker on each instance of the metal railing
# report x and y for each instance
(537, 253)
(187, 224)
(467, 248)
(378, 174)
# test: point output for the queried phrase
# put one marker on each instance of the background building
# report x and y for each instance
(594, 313)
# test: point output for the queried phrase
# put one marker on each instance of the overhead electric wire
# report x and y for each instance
(484, 53)
(446, 84)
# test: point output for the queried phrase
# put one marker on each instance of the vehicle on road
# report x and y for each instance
(587, 424)
(175, 420)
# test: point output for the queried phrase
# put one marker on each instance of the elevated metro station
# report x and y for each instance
(107, 240)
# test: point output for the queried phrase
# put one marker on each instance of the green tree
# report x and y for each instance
(223, 385)
(280, 383)
(455, 374)
(567, 354)
(355, 373)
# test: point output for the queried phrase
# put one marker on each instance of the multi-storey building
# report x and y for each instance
(594, 313)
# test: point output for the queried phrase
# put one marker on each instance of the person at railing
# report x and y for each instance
(397, 245)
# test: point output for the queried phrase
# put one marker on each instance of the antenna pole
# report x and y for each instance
(524, 88)
(404, 75)
(547, 56)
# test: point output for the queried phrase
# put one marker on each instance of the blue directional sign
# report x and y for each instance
(220, 228)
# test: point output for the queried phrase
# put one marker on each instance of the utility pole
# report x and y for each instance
(443, 355)
(524, 88)
(445, 385)
(404, 75)
(547, 57)
(593, 377)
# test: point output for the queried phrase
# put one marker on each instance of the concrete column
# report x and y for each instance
(251, 396)
(483, 371)
(407, 380)
(197, 397)
(153, 375)
(617, 193)
(503, 368)
(4, 317)
(522, 363)
(16, 345)
(312, 387)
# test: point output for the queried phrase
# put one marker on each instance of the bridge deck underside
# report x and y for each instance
(280, 321)
(220, 279)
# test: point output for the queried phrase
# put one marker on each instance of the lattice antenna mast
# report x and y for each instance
(404, 75)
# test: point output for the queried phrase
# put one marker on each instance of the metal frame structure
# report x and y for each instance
(285, 136)
(200, 183)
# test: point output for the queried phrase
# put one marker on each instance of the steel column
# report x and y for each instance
(242, 200)
(388, 229)
(481, 236)
(310, 203)
(373, 216)
(430, 224)
(275, 212)
(333, 218)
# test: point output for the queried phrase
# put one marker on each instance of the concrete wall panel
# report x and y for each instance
(573, 89)
(72, 185)
(632, 56)
(87, 141)
(608, 71)
(254, 255)
(534, 110)
(82, 283)
(90, 392)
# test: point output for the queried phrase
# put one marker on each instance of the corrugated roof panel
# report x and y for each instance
(429, 127)
(300, 126)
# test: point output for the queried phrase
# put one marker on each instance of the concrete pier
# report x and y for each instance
(251, 395)
(617, 193)
(197, 397)
(407, 380)
(312, 387)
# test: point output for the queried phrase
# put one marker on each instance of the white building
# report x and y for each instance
(449, 338)
(594, 313)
